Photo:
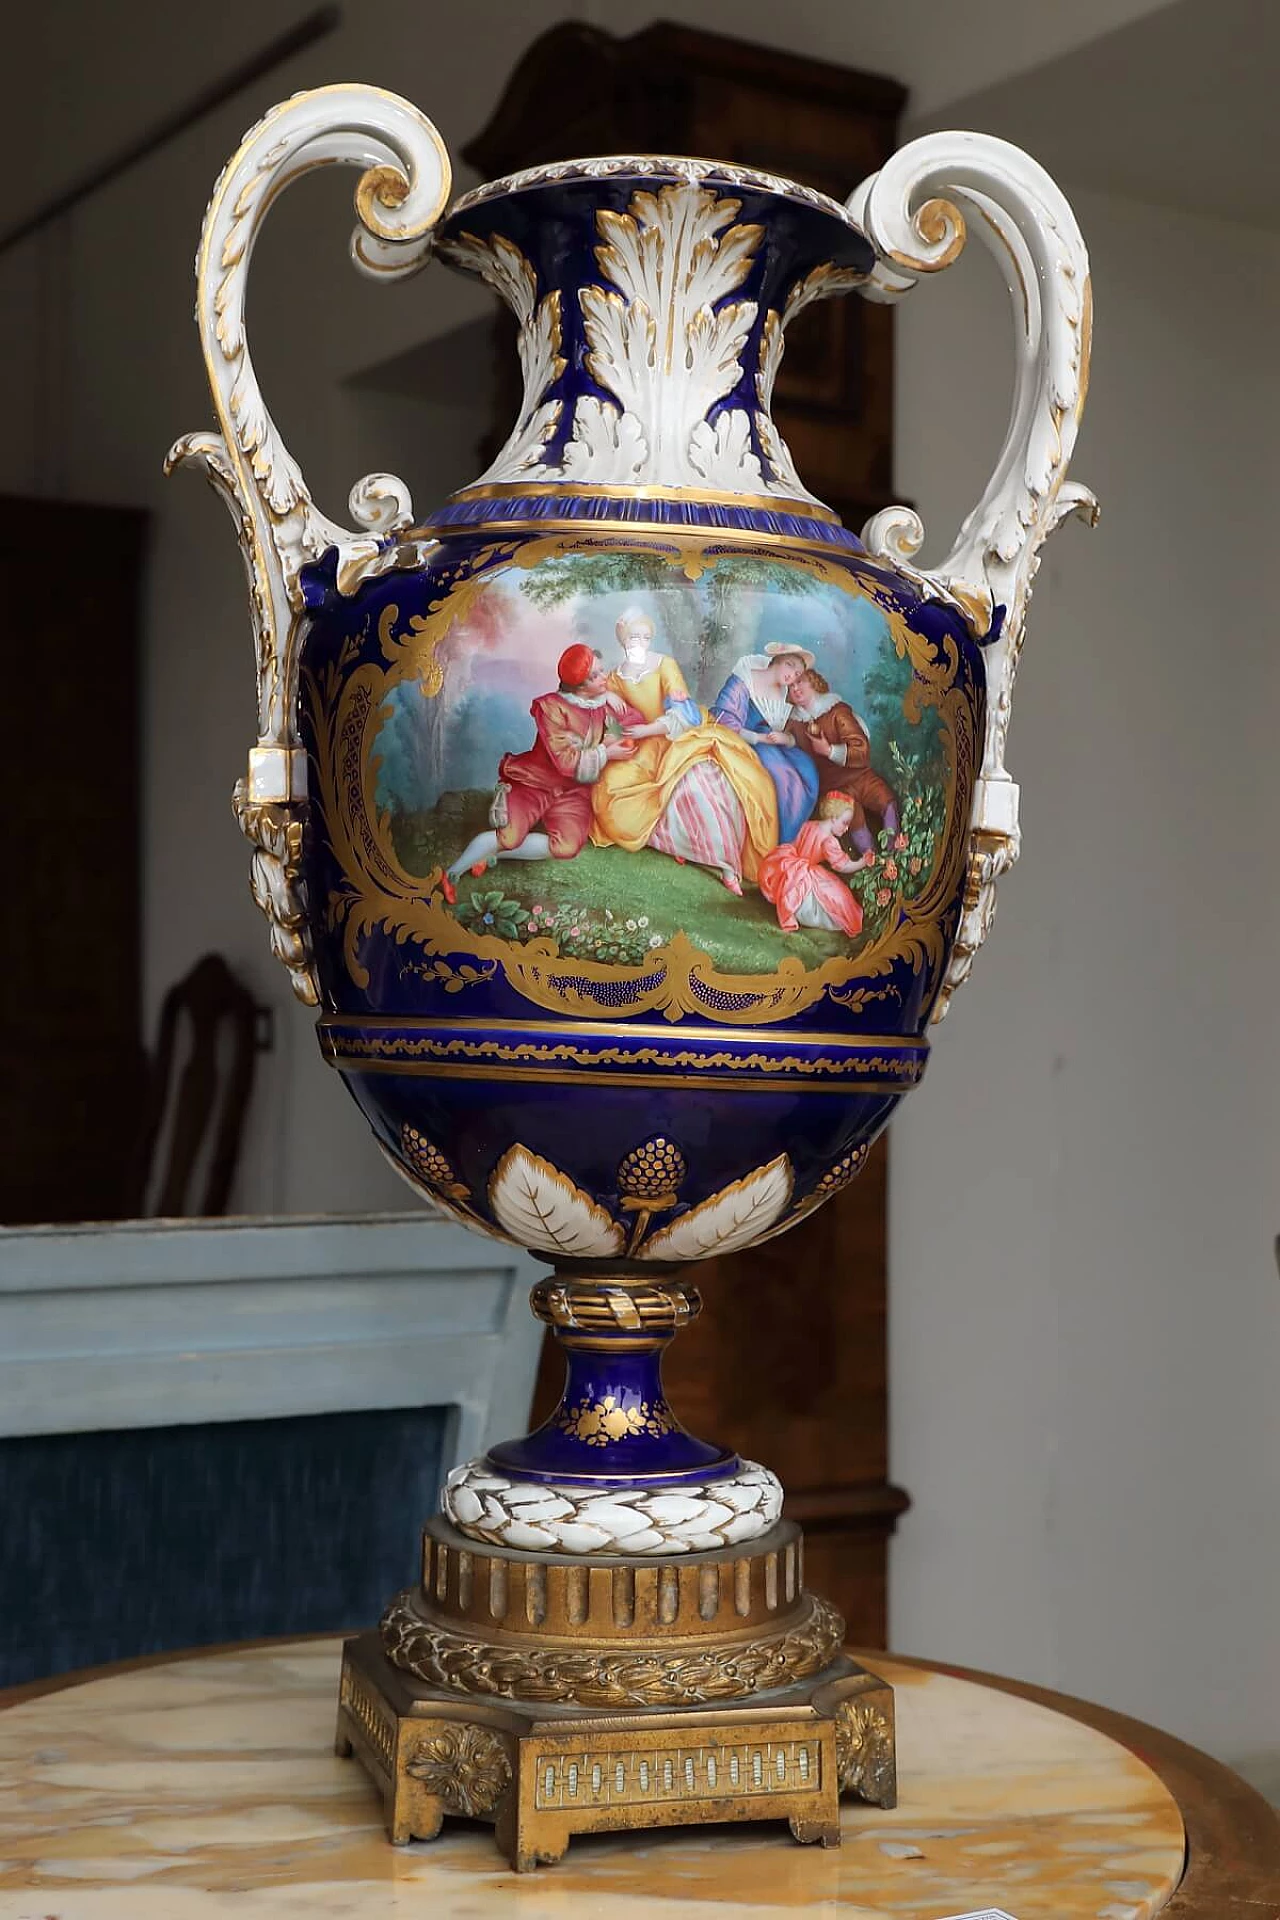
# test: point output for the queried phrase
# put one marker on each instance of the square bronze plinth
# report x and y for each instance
(542, 1773)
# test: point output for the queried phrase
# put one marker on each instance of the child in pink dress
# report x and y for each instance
(799, 879)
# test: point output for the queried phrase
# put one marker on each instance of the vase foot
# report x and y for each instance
(554, 1697)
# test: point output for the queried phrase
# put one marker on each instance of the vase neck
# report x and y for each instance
(651, 315)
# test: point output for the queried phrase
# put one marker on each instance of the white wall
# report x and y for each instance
(1085, 1315)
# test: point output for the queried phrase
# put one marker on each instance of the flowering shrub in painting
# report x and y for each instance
(581, 932)
(902, 861)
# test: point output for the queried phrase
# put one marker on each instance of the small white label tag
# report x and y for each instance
(987, 1913)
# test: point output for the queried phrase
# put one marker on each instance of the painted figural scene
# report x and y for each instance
(610, 759)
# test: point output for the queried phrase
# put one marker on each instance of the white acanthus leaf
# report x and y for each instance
(733, 1218)
(623, 339)
(661, 343)
(724, 453)
(608, 447)
(541, 1207)
(278, 473)
(822, 283)
(714, 342)
(632, 256)
(778, 456)
(505, 268)
(523, 451)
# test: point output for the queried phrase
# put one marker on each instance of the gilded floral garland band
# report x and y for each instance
(357, 1049)
(677, 979)
(600, 1423)
(596, 1677)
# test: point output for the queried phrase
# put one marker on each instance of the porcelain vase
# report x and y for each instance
(627, 818)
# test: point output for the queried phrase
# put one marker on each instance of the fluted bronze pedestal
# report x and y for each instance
(556, 1696)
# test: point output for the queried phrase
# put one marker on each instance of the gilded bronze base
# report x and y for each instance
(553, 1696)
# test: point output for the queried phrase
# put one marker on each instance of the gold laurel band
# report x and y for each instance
(730, 1669)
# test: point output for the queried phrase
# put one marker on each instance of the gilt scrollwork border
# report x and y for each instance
(677, 980)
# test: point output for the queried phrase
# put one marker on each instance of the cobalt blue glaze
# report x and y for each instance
(556, 226)
(586, 1440)
(705, 515)
(587, 1131)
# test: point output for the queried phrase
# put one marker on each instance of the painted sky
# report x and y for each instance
(503, 656)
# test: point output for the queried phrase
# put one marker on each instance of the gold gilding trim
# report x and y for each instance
(586, 1078)
(399, 1048)
(584, 531)
(588, 1317)
(939, 221)
(587, 1030)
(605, 1422)
(625, 1343)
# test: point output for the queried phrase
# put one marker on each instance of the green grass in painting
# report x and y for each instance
(604, 904)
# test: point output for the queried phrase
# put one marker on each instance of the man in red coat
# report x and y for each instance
(542, 807)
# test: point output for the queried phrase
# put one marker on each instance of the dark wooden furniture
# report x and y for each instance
(70, 578)
(581, 90)
(198, 1087)
(792, 1372)
(788, 1365)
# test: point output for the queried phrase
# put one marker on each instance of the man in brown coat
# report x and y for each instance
(829, 729)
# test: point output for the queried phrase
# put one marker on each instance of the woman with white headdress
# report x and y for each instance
(754, 701)
(694, 790)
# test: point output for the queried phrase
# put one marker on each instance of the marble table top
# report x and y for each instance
(205, 1788)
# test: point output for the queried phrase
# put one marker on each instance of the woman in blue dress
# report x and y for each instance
(753, 701)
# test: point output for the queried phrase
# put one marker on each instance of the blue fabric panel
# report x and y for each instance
(141, 1541)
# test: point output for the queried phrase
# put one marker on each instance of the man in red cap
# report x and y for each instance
(549, 787)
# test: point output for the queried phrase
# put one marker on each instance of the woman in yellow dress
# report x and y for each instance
(695, 790)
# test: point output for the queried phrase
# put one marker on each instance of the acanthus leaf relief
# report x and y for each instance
(666, 343)
(500, 262)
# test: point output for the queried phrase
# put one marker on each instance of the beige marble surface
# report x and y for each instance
(207, 1788)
